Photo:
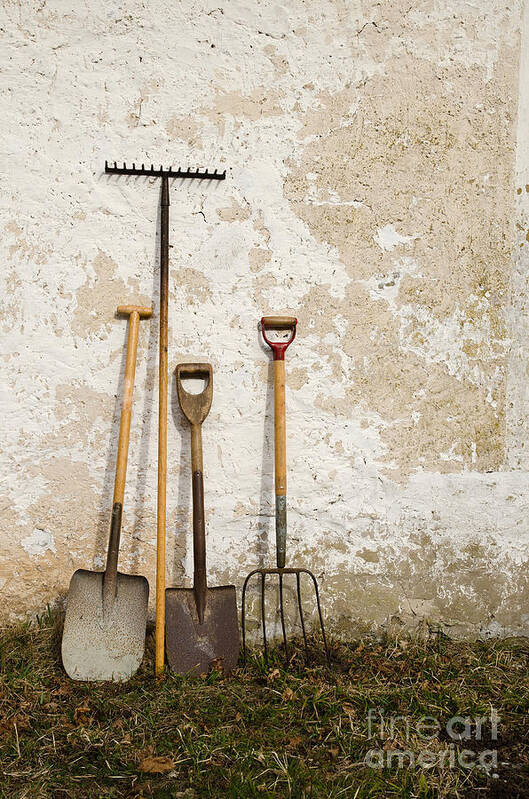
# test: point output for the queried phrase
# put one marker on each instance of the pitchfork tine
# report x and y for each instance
(302, 620)
(327, 655)
(282, 613)
(263, 616)
(243, 618)
(280, 572)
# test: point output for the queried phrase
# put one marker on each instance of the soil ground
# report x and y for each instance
(381, 723)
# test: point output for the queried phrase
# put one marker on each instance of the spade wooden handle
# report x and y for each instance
(195, 408)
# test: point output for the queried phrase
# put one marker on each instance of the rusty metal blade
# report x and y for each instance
(100, 644)
(192, 647)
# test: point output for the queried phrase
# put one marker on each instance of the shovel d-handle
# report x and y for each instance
(135, 313)
(195, 408)
(280, 436)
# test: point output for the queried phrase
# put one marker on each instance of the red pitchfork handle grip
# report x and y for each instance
(279, 323)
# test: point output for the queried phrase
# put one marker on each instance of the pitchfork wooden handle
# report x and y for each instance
(280, 435)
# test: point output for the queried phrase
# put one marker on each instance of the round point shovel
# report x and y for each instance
(200, 622)
(106, 612)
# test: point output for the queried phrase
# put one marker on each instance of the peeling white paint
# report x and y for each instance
(388, 238)
(38, 543)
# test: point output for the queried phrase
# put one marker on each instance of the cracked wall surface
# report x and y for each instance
(377, 189)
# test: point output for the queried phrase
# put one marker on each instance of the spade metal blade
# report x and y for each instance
(193, 647)
(104, 644)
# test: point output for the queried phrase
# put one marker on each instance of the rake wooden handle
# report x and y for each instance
(109, 581)
(159, 636)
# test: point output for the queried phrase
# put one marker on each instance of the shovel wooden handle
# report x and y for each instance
(134, 313)
(195, 408)
(280, 434)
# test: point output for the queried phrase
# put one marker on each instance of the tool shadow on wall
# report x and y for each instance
(141, 430)
(264, 552)
(106, 494)
(142, 514)
(266, 520)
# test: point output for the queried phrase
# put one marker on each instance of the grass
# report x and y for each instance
(267, 731)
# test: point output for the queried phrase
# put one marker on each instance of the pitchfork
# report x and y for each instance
(279, 348)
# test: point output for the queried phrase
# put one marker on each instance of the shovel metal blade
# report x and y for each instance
(193, 647)
(100, 643)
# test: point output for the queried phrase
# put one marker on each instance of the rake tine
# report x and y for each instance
(302, 620)
(263, 615)
(282, 612)
(327, 655)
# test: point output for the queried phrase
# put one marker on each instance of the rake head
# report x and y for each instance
(281, 573)
(163, 173)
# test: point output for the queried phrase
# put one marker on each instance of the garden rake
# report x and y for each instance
(281, 323)
(164, 174)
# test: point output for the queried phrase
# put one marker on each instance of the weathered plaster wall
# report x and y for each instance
(375, 190)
